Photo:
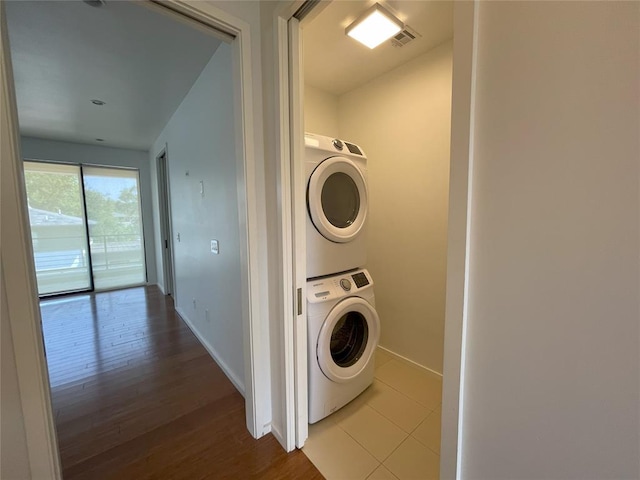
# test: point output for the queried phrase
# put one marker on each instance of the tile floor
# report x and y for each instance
(391, 431)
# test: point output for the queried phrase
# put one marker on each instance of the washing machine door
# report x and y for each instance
(348, 339)
(337, 199)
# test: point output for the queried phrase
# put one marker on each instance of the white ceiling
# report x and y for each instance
(139, 61)
(337, 64)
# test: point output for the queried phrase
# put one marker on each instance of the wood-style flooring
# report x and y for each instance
(135, 396)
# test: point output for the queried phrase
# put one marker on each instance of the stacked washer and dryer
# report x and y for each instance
(343, 326)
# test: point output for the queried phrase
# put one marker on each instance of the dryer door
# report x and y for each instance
(337, 199)
(348, 339)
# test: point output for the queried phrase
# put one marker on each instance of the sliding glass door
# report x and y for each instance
(86, 227)
(115, 226)
(58, 227)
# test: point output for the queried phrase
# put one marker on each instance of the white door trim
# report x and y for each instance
(22, 291)
(292, 329)
(465, 24)
(299, 232)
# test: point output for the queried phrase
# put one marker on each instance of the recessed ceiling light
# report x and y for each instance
(374, 26)
(94, 3)
(97, 102)
(99, 139)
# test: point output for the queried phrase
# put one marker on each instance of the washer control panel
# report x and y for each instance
(337, 286)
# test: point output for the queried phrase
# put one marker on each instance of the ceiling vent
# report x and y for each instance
(407, 35)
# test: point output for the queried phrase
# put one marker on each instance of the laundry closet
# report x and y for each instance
(394, 103)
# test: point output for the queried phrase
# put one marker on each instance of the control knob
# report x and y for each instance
(345, 284)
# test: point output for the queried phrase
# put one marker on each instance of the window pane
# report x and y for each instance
(58, 231)
(115, 227)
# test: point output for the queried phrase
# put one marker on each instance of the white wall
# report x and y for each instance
(56, 151)
(320, 112)
(249, 13)
(551, 383)
(402, 120)
(14, 457)
(201, 148)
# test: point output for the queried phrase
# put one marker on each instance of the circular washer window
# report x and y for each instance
(337, 199)
(347, 339)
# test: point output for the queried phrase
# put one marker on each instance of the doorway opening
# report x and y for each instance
(391, 106)
(250, 356)
(166, 240)
(292, 84)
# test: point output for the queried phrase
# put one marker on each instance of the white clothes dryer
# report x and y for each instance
(343, 333)
(337, 204)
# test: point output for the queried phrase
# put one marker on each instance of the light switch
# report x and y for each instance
(214, 247)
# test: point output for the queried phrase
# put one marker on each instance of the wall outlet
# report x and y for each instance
(214, 247)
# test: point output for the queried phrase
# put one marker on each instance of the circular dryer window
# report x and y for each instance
(337, 199)
(347, 339)
(340, 200)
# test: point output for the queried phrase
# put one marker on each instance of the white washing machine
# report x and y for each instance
(343, 333)
(337, 205)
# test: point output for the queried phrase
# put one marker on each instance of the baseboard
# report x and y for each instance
(161, 287)
(407, 360)
(216, 357)
(276, 433)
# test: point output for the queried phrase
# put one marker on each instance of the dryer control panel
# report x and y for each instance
(331, 144)
(338, 286)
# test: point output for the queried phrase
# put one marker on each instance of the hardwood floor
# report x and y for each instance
(136, 396)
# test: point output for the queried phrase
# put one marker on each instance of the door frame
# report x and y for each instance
(166, 227)
(289, 85)
(22, 292)
(17, 259)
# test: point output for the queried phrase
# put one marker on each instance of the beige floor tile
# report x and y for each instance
(382, 473)
(351, 407)
(382, 357)
(428, 432)
(400, 409)
(336, 454)
(416, 383)
(375, 433)
(412, 460)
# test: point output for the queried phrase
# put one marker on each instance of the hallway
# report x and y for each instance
(136, 396)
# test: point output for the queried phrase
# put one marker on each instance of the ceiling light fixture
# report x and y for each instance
(94, 3)
(97, 102)
(374, 26)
